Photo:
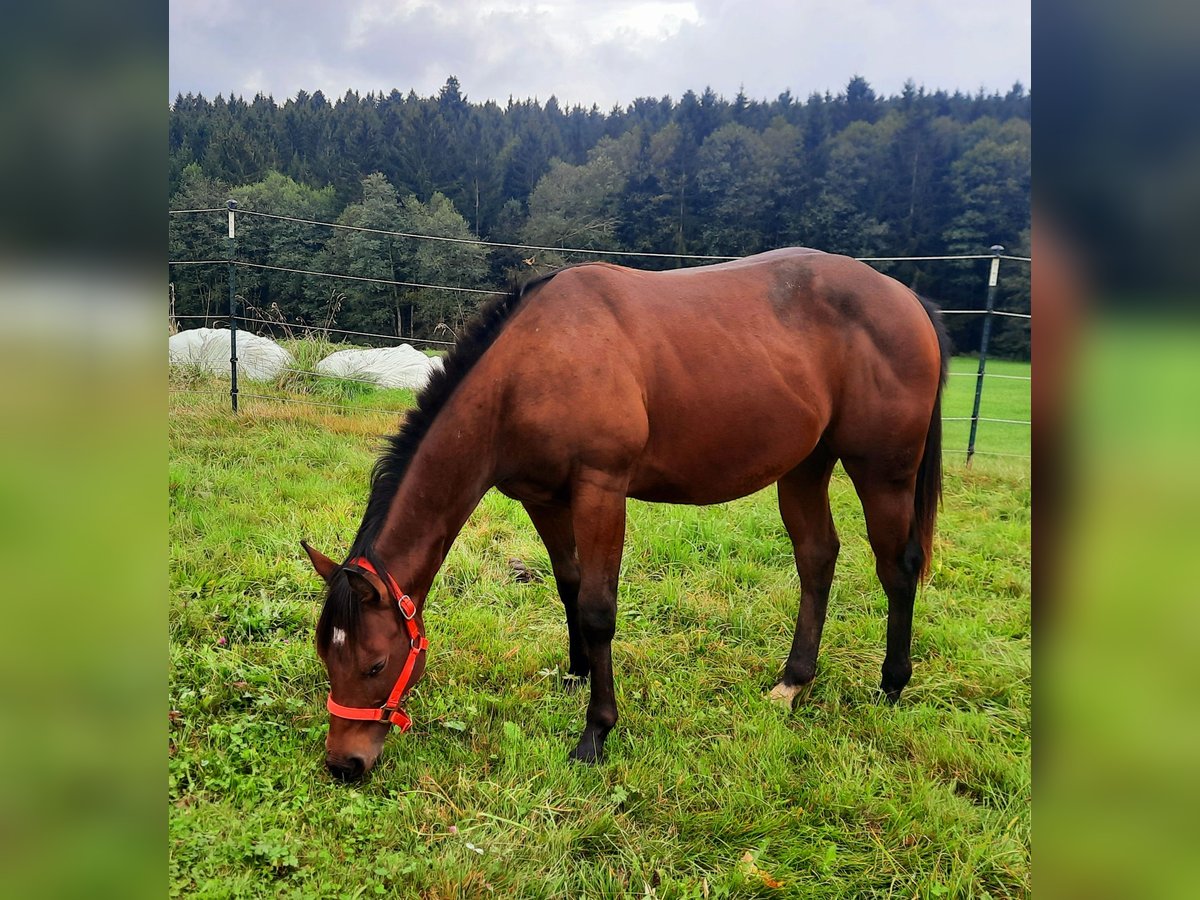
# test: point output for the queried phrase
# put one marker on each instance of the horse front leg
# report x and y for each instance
(598, 515)
(553, 525)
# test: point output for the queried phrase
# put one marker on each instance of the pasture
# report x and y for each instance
(708, 791)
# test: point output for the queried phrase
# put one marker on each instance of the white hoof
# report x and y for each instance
(785, 694)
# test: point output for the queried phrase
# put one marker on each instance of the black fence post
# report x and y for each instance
(233, 358)
(993, 278)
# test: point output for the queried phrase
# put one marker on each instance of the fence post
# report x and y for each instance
(233, 358)
(993, 278)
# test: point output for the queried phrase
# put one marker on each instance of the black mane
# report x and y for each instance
(341, 606)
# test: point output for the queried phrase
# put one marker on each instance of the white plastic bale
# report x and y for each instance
(391, 367)
(259, 358)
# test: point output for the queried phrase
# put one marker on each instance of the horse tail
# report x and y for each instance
(929, 475)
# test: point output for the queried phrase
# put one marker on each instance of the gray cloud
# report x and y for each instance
(584, 52)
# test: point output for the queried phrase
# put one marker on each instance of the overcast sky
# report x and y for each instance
(593, 51)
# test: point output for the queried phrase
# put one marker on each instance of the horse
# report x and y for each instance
(597, 383)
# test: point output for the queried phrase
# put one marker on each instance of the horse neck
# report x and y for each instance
(450, 471)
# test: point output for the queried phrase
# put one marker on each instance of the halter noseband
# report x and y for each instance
(391, 713)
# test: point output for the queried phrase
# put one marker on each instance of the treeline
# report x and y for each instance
(917, 174)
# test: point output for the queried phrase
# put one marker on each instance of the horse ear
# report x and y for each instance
(325, 566)
(366, 586)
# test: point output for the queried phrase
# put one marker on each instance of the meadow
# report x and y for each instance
(708, 790)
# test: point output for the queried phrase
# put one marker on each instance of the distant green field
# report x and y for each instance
(1003, 398)
(709, 790)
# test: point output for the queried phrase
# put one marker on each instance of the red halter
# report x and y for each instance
(391, 712)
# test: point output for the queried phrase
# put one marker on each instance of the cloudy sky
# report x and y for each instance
(594, 51)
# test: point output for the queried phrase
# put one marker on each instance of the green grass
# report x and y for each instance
(841, 798)
(1002, 398)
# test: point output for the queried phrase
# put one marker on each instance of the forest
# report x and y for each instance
(921, 173)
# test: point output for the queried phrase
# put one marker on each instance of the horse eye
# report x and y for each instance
(375, 669)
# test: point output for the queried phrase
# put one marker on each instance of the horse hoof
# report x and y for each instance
(590, 748)
(784, 695)
(587, 754)
(889, 697)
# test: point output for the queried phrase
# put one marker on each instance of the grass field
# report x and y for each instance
(708, 791)
(1004, 397)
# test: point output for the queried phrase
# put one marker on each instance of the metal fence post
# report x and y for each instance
(233, 358)
(993, 278)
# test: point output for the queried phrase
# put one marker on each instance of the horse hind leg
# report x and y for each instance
(888, 506)
(804, 507)
(553, 525)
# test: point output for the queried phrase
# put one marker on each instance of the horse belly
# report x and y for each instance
(716, 456)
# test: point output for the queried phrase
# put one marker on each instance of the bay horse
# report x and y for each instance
(597, 383)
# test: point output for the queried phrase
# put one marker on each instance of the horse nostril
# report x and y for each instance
(349, 769)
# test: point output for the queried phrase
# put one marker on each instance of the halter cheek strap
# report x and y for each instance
(391, 712)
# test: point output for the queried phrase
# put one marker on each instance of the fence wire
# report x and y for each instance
(322, 328)
(551, 249)
(994, 312)
(989, 375)
(297, 400)
(241, 263)
(332, 377)
(985, 419)
(991, 453)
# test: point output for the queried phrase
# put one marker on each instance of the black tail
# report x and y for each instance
(929, 475)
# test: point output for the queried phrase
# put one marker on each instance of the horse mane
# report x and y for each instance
(341, 608)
